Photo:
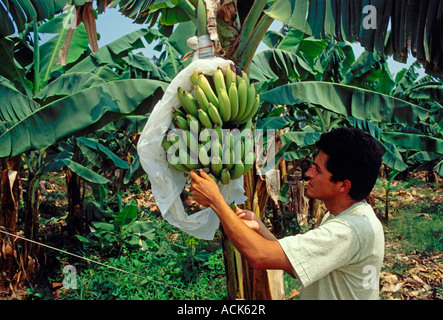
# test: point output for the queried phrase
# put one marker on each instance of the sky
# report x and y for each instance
(112, 25)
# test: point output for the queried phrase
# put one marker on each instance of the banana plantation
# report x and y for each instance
(95, 199)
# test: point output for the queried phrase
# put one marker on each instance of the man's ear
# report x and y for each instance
(345, 186)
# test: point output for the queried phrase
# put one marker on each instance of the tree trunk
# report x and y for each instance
(29, 251)
(75, 221)
(9, 199)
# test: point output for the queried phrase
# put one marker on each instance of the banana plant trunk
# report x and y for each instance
(9, 197)
(244, 282)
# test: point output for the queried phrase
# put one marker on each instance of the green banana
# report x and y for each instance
(201, 97)
(181, 139)
(245, 76)
(249, 161)
(207, 89)
(180, 123)
(233, 100)
(219, 131)
(225, 177)
(230, 75)
(233, 206)
(238, 151)
(250, 98)
(191, 142)
(194, 77)
(204, 118)
(185, 159)
(188, 102)
(225, 104)
(205, 135)
(242, 97)
(252, 112)
(216, 148)
(166, 143)
(228, 140)
(219, 80)
(248, 143)
(178, 112)
(214, 115)
(216, 166)
(203, 156)
(194, 124)
(247, 126)
(249, 101)
(237, 170)
(213, 177)
(228, 158)
(174, 163)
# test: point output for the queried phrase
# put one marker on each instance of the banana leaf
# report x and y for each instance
(347, 101)
(80, 113)
(417, 142)
(414, 26)
(15, 106)
(96, 146)
(84, 172)
(16, 56)
(67, 84)
(49, 50)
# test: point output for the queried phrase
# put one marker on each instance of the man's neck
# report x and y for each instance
(337, 206)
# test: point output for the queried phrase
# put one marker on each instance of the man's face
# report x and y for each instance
(320, 185)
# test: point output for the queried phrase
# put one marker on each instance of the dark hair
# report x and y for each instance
(353, 155)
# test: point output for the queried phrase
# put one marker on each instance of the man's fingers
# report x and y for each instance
(204, 175)
(192, 174)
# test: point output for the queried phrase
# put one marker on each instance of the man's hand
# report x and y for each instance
(249, 218)
(204, 189)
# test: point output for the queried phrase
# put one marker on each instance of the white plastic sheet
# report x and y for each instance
(167, 184)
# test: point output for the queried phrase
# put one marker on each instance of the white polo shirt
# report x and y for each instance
(341, 259)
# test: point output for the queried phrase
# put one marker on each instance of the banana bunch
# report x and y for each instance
(213, 125)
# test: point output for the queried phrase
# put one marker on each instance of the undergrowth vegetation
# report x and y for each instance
(161, 262)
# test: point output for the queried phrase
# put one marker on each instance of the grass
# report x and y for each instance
(417, 225)
(178, 266)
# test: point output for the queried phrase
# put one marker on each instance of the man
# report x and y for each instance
(341, 259)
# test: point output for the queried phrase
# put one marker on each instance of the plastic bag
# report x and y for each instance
(167, 184)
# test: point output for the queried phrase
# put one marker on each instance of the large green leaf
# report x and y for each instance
(80, 113)
(270, 65)
(128, 213)
(111, 53)
(413, 25)
(68, 84)
(94, 144)
(84, 172)
(16, 56)
(22, 12)
(391, 156)
(15, 106)
(49, 51)
(418, 142)
(347, 101)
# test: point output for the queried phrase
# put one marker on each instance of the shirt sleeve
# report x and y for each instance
(318, 252)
